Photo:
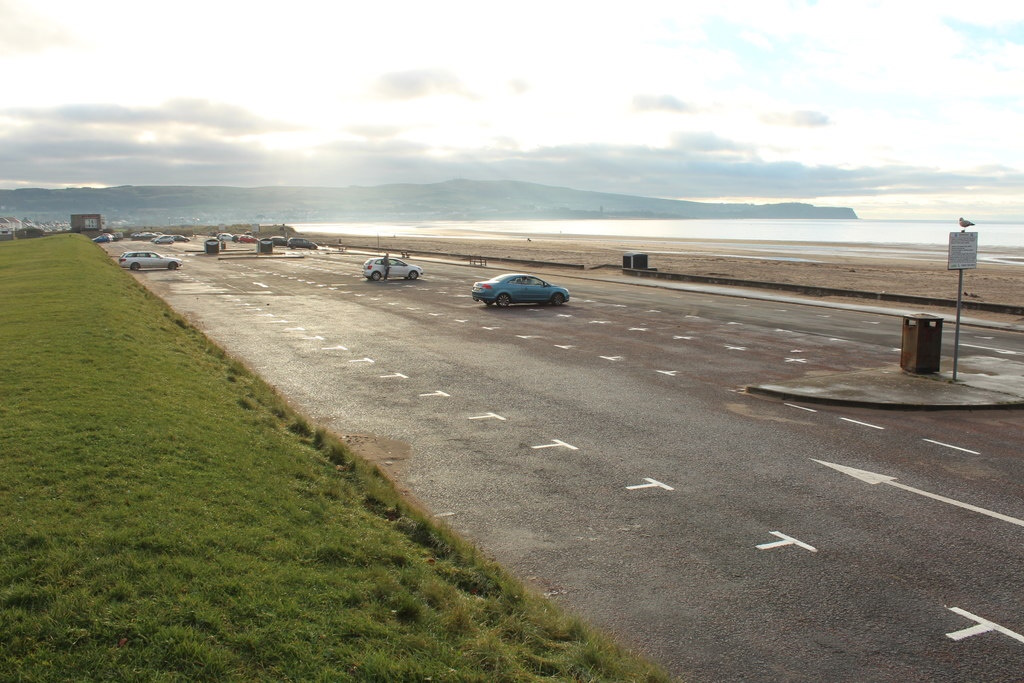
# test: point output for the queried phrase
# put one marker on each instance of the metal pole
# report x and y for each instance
(956, 334)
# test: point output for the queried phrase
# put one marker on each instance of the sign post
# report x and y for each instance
(963, 254)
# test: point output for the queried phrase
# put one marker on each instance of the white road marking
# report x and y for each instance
(260, 284)
(528, 336)
(314, 338)
(676, 336)
(395, 374)
(339, 347)
(565, 346)
(955, 448)
(651, 483)
(796, 360)
(637, 329)
(793, 405)
(612, 358)
(858, 422)
(436, 393)
(786, 540)
(599, 322)
(488, 416)
(294, 329)
(1004, 352)
(874, 478)
(736, 348)
(362, 360)
(670, 373)
(556, 444)
(982, 626)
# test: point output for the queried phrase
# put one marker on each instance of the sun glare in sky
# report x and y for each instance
(897, 109)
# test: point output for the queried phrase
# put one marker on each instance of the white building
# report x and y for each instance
(9, 227)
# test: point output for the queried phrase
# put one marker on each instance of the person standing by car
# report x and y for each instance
(387, 265)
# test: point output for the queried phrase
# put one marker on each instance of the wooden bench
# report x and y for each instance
(477, 261)
(405, 254)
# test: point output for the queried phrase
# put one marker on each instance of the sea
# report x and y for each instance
(861, 231)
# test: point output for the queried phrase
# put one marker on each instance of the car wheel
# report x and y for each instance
(135, 266)
(503, 299)
(173, 265)
(557, 299)
(375, 275)
(413, 275)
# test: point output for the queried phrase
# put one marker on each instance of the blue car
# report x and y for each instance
(518, 288)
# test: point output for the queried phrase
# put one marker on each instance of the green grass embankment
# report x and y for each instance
(165, 516)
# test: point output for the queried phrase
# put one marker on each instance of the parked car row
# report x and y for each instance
(502, 290)
(169, 239)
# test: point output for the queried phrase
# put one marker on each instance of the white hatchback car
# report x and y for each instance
(136, 260)
(373, 269)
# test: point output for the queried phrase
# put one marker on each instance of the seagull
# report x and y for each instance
(964, 223)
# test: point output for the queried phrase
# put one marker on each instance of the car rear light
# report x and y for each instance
(484, 285)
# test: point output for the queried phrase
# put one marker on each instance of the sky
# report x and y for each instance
(901, 109)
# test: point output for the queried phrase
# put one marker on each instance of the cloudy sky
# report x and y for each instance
(899, 109)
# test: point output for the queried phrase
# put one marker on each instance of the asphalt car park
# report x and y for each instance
(605, 452)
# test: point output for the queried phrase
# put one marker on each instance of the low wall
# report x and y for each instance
(446, 254)
(828, 291)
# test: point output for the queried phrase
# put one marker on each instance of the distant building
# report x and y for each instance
(86, 222)
(9, 227)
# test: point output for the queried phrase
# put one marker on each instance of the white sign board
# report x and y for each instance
(963, 250)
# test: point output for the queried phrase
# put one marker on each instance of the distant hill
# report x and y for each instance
(450, 200)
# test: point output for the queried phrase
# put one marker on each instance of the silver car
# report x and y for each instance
(136, 260)
(373, 269)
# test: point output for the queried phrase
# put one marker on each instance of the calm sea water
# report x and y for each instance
(872, 232)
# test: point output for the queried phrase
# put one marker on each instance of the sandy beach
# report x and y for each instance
(899, 269)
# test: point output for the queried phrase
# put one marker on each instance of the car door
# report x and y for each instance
(514, 286)
(398, 268)
(533, 289)
(149, 259)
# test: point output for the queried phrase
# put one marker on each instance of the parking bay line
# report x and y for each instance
(981, 626)
(865, 424)
(556, 443)
(875, 478)
(955, 448)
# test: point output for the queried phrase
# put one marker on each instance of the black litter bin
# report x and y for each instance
(922, 343)
(212, 246)
(265, 246)
(634, 260)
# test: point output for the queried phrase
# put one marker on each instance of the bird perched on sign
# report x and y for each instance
(964, 223)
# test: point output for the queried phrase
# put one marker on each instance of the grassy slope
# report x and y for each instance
(165, 516)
